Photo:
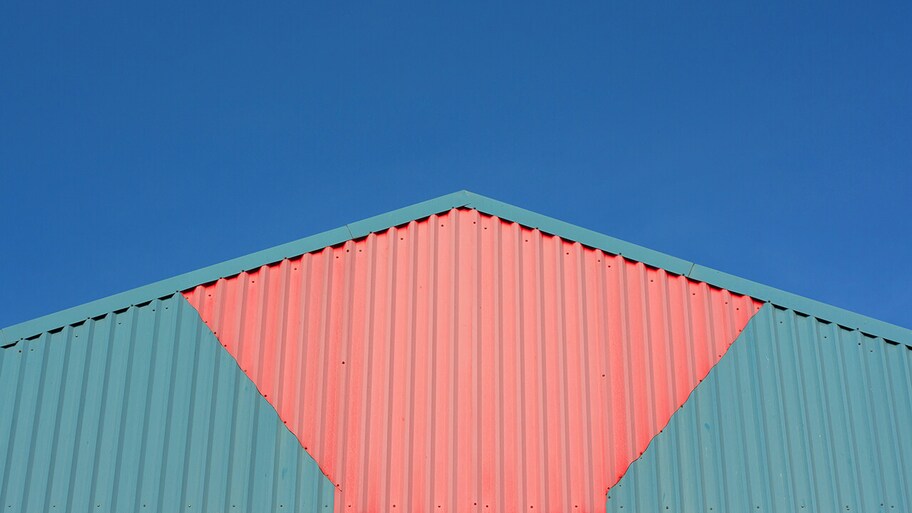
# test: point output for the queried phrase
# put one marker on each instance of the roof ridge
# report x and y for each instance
(850, 320)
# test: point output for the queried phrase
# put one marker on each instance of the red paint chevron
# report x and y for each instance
(464, 363)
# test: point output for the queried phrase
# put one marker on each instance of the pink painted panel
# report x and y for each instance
(465, 363)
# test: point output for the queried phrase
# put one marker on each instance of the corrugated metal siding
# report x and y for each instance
(800, 415)
(463, 363)
(142, 410)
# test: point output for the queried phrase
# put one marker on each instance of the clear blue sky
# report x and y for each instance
(772, 141)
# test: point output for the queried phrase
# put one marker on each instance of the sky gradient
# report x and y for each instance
(769, 141)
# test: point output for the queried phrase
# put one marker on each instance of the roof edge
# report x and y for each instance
(720, 279)
(164, 288)
(169, 286)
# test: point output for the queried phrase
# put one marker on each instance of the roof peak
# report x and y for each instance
(460, 199)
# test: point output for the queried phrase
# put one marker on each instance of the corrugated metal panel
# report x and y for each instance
(800, 415)
(142, 410)
(463, 363)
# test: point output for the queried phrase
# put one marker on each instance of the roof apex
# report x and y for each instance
(465, 199)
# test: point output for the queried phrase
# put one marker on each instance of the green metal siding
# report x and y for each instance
(143, 410)
(799, 415)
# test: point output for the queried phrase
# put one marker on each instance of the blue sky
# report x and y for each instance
(769, 140)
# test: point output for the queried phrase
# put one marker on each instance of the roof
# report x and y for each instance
(465, 199)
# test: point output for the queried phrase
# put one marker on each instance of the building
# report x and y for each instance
(456, 355)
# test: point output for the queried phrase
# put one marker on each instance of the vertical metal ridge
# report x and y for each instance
(540, 383)
(389, 371)
(190, 414)
(562, 364)
(124, 405)
(607, 375)
(500, 405)
(626, 367)
(348, 333)
(99, 420)
(906, 474)
(480, 364)
(453, 392)
(282, 328)
(412, 341)
(847, 427)
(58, 415)
(433, 287)
(782, 404)
(649, 397)
(824, 354)
(521, 299)
(586, 447)
(894, 405)
(363, 432)
(305, 264)
(30, 458)
(208, 471)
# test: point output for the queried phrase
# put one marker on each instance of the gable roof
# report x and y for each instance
(463, 199)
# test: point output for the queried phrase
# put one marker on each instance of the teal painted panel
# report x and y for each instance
(143, 410)
(799, 415)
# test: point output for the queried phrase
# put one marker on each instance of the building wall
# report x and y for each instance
(455, 362)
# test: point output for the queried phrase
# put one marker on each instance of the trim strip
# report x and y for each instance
(851, 320)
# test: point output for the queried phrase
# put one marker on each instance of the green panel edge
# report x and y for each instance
(850, 320)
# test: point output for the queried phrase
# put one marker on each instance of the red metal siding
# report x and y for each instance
(464, 363)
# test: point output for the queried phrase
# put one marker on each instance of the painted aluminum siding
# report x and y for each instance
(142, 410)
(800, 415)
(464, 363)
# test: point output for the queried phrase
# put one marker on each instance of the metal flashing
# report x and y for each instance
(355, 230)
